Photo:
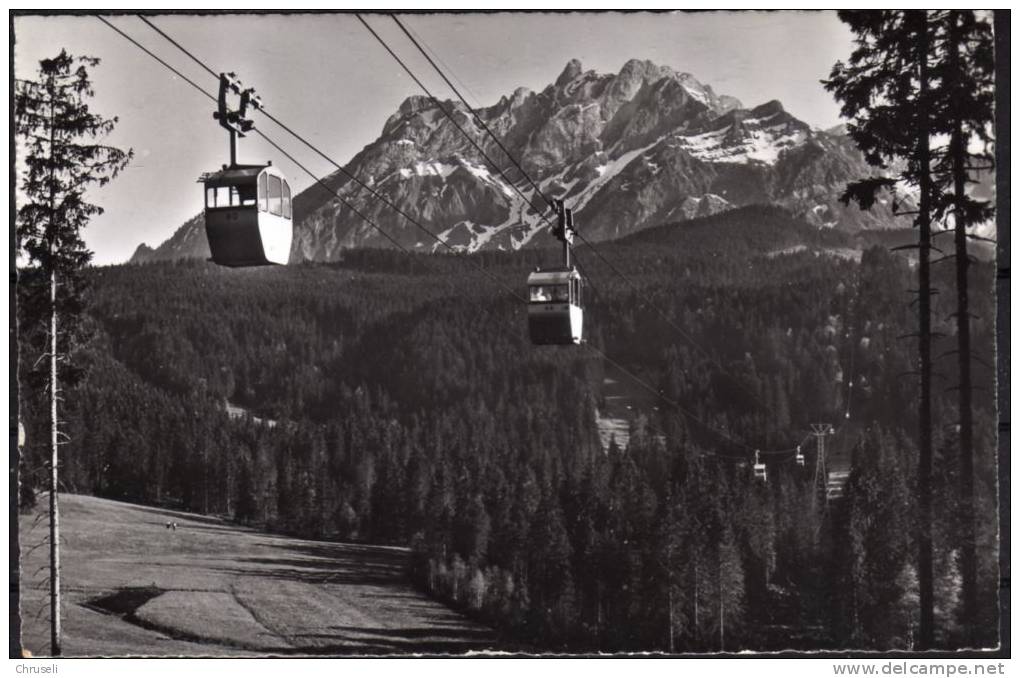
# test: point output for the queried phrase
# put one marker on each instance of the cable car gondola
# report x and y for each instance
(248, 209)
(555, 315)
(554, 306)
(248, 215)
(759, 468)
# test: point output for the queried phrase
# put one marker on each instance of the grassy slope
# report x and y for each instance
(210, 588)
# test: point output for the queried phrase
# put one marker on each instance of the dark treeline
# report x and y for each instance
(396, 399)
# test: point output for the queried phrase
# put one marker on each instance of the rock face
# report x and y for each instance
(626, 151)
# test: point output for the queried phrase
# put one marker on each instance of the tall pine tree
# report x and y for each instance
(885, 91)
(965, 70)
(56, 134)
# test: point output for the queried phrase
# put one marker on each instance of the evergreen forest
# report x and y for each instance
(394, 398)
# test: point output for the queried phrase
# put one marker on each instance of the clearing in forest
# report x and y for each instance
(133, 586)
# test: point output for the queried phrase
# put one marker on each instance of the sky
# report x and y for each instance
(328, 79)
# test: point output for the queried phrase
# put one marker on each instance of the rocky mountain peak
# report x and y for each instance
(570, 72)
(773, 107)
(644, 146)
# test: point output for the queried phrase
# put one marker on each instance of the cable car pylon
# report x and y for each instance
(819, 431)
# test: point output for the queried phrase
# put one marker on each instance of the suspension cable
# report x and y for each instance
(485, 127)
(473, 112)
(645, 385)
(374, 193)
(198, 87)
(445, 112)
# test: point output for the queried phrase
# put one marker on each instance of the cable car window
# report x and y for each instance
(286, 199)
(225, 196)
(555, 293)
(275, 196)
(263, 194)
(246, 194)
(210, 197)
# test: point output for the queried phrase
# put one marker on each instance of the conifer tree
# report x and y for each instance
(965, 70)
(885, 92)
(56, 132)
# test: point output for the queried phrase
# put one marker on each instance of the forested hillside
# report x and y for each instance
(396, 398)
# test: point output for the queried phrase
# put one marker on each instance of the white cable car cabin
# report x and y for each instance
(248, 215)
(800, 457)
(554, 307)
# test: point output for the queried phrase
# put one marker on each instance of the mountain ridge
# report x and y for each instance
(645, 146)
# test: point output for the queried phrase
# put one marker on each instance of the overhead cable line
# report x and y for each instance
(669, 401)
(637, 379)
(443, 63)
(178, 46)
(662, 314)
(449, 115)
(374, 193)
(477, 117)
(151, 54)
(198, 87)
(537, 189)
(539, 192)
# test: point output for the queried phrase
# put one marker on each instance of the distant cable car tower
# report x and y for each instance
(248, 209)
(555, 315)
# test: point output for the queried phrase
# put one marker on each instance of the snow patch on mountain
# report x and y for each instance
(625, 151)
(760, 144)
(607, 172)
(431, 168)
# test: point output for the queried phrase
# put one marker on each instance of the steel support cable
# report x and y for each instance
(477, 117)
(375, 194)
(646, 386)
(679, 330)
(445, 112)
(380, 230)
(270, 141)
(178, 46)
(439, 58)
(675, 405)
(261, 134)
(537, 189)
(389, 203)
(161, 61)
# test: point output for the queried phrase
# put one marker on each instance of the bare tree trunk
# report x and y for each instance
(54, 475)
(14, 491)
(722, 615)
(968, 560)
(671, 649)
(696, 627)
(14, 638)
(924, 537)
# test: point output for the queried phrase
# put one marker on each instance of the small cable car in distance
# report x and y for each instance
(760, 473)
(555, 315)
(248, 208)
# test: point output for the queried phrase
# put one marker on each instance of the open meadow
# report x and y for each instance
(134, 586)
